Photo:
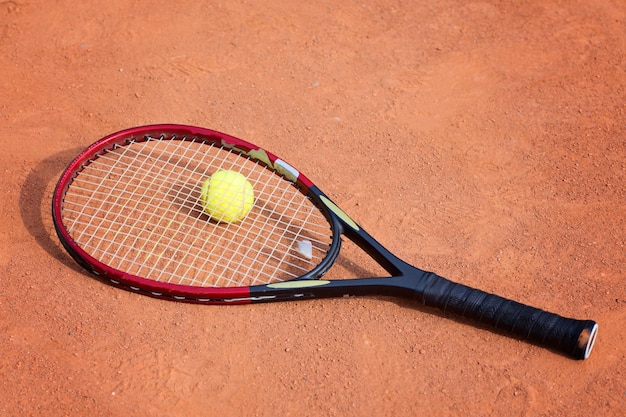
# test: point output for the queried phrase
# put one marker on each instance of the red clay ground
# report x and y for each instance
(485, 141)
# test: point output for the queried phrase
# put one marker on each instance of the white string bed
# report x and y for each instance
(136, 208)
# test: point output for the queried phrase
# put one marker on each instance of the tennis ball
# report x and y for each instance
(227, 196)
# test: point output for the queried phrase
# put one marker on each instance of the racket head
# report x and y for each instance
(98, 210)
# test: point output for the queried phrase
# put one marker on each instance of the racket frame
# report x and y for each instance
(197, 294)
(570, 336)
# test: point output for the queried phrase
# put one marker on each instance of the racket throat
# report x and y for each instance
(399, 286)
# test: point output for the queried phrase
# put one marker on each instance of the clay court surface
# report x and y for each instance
(485, 141)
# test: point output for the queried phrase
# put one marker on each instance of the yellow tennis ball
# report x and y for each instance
(227, 196)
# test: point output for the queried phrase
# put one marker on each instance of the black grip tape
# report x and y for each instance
(569, 336)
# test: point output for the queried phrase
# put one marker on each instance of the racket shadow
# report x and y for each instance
(35, 200)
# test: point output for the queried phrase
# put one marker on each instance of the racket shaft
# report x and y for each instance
(569, 336)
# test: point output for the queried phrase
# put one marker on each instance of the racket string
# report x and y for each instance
(282, 231)
(138, 204)
(186, 197)
(141, 206)
(100, 186)
(137, 209)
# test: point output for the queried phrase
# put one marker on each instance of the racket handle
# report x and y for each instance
(569, 336)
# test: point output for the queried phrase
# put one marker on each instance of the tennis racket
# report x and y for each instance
(129, 209)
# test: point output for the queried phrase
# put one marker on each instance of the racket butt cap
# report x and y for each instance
(586, 339)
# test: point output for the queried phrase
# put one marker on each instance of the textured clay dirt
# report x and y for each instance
(485, 141)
